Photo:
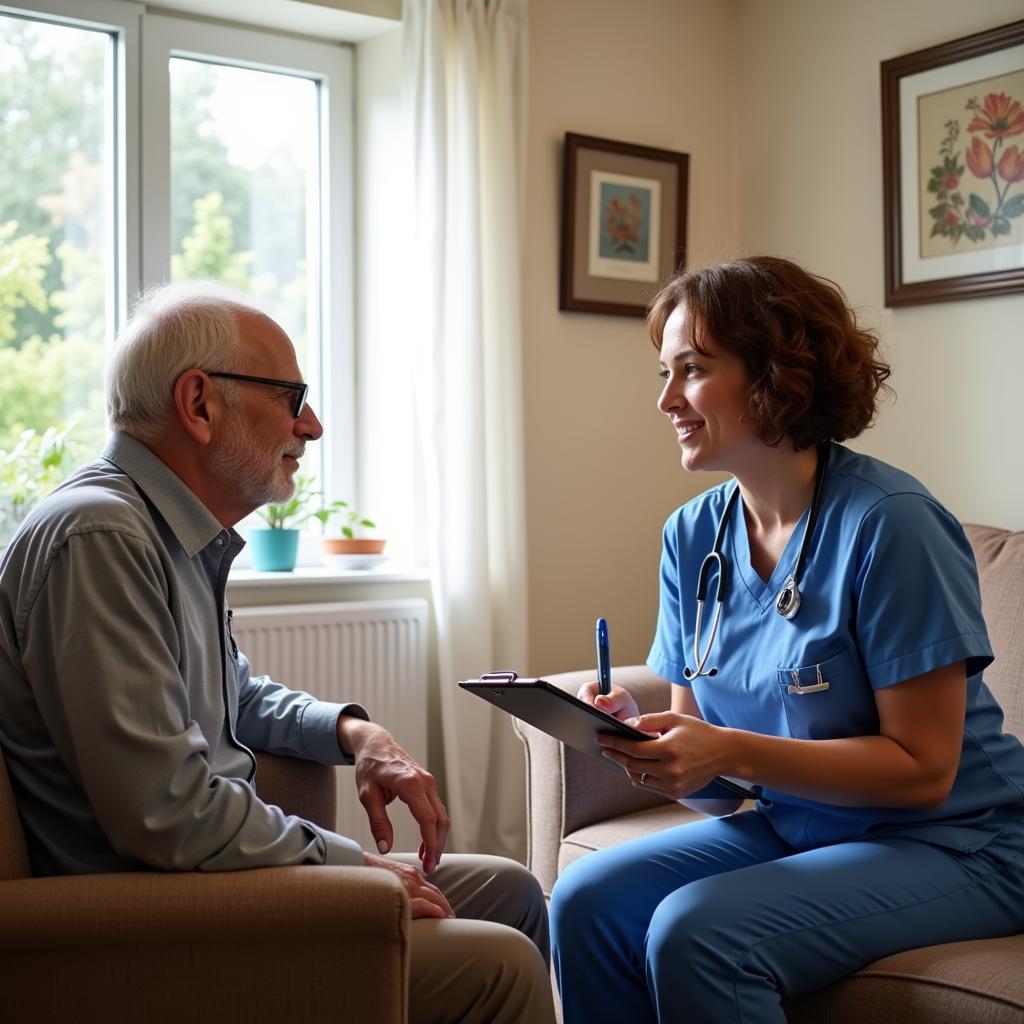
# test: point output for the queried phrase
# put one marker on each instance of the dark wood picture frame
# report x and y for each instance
(907, 282)
(643, 248)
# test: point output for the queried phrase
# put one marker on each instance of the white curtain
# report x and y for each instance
(465, 89)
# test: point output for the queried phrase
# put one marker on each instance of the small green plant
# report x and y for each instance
(307, 503)
(352, 521)
(298, 509)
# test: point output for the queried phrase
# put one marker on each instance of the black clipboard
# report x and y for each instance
(576, 724)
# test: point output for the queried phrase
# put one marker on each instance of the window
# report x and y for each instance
(56, 252)
(241, 172)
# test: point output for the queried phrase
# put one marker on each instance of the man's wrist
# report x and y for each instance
(352, 732)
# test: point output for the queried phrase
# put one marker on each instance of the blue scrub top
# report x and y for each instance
(890, 591)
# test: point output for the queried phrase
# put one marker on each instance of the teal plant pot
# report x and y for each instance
(274, 550)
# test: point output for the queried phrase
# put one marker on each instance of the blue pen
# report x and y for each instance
(604, 661)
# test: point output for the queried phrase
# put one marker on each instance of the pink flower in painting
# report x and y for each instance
(951, 217)
(998, 117)
(950, 181)
(622, 222)
(976, 218)
(1011, 165)
(979, 158)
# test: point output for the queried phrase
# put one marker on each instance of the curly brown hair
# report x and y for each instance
(814, 373)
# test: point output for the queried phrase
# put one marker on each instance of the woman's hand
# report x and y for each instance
(687, 754)
(619, 704)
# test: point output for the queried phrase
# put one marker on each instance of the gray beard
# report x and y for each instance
(240, 466)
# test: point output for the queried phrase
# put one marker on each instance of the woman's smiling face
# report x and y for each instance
(705, 397)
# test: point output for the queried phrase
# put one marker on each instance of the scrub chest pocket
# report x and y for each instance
(827, 700)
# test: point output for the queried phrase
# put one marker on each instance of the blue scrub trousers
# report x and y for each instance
(716, 920)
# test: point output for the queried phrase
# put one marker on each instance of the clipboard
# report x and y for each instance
(576, 724)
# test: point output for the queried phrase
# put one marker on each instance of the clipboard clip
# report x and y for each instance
(499, 677)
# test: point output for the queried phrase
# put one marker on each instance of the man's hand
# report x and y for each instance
(385, 771)
(427, 900)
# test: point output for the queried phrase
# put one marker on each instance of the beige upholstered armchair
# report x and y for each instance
(576, 805)
(274, 944)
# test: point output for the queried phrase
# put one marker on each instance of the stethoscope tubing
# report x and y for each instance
(787, 603)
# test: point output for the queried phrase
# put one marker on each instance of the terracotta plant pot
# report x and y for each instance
(358, 554)
(353, 546)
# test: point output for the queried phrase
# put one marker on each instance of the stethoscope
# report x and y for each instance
(787, 602)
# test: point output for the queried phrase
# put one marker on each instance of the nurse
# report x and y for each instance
(890, 809)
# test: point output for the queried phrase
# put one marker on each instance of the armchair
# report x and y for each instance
(272, 944)
(576, 805)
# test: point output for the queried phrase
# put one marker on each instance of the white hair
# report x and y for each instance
(172, 328)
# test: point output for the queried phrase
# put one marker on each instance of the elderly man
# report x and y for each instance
(127, 714)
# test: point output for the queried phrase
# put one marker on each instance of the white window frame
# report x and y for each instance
(122, 20)
(142, 214)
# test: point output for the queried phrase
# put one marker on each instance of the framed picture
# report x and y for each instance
(953, 155)
(623, 224)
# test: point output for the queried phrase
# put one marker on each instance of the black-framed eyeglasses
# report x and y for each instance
(291, 385)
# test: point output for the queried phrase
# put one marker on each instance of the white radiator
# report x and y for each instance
(370, 652)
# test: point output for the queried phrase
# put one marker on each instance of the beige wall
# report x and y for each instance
(809, 108)
(601, 469)
(778, 104)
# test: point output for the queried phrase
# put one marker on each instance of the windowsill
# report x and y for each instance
(320, 575)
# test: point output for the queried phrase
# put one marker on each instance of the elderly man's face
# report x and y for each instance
(262, 441)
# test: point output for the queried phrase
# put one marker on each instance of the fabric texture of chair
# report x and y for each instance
(272, 944)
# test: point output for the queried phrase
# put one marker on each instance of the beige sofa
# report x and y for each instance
(273, 944)
(576, 805)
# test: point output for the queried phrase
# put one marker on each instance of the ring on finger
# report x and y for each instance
(643, 778)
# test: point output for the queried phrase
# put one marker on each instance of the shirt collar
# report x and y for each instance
(191, 522)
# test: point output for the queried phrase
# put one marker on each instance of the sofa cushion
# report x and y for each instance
(619, 829)
(1000, 557)
(956, 983)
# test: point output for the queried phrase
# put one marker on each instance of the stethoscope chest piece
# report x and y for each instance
(787, 604)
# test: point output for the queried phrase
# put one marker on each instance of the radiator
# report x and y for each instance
(370, 652)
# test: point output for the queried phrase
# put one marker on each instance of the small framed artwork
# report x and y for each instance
(953, 169)
(623, 224)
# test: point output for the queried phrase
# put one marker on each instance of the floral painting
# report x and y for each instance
(953, 169)
(625, 222)
(974, 176)
(625, 215)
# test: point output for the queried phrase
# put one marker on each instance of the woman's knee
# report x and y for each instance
(693, 923)
(578, 894)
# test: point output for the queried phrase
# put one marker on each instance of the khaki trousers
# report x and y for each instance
(490, 964)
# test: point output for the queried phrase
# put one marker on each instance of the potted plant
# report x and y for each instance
(275, 546)
(350, 550)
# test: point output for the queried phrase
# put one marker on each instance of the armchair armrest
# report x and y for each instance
(567, 790)
(304, 788)
(296, 943)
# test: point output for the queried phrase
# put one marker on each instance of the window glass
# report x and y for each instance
(244, 186)
(56, 258)
(245, 194)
